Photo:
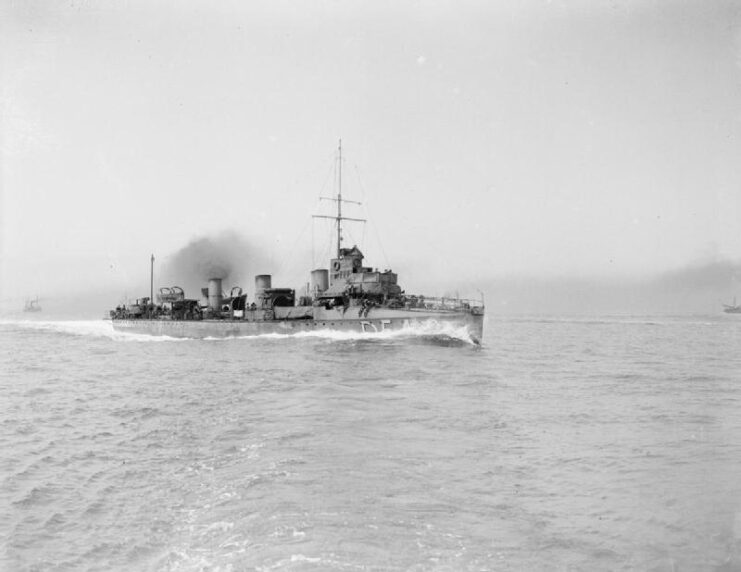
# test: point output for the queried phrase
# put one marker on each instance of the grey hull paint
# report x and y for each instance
(332, 320)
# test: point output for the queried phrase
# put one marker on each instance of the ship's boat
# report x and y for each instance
(347, 296)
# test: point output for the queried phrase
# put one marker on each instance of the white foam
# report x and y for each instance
(104, 329)
(94, 328)
(425, 329)
(303, 558)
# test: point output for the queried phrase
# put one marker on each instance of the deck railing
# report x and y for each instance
(441, 303)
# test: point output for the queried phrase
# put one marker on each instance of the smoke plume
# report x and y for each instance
(226, 255)
(702, 277)
(700, 287)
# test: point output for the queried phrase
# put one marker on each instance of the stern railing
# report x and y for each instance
(450, 303)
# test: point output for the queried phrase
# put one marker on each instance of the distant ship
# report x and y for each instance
(32, 306)
(732, 308)
(347, 296)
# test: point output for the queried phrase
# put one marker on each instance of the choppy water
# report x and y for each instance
(561, 444)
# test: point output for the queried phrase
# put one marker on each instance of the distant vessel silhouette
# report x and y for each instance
(32, 305)
(732, 308)
(348, 296)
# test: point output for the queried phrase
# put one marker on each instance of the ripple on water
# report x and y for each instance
(609, 445)
(36, 496)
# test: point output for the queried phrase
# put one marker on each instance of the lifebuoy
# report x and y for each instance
(336, 265)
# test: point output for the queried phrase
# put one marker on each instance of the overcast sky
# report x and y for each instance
(582, 138)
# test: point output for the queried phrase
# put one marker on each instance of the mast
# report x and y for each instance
(151, 285)
(339, 218)
(339, 197)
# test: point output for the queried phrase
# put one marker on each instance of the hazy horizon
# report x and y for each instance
(699, 287)
(553, 156)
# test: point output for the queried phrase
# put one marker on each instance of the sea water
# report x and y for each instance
(571, 443)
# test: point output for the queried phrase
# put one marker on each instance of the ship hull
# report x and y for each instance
(378, 322)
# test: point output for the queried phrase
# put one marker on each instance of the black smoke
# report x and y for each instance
(226, 255)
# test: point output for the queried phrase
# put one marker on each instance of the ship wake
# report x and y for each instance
(89, 328)
(430, 331)
(438, 333)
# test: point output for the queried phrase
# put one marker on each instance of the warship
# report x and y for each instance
(347, 296)
(32, 305)
(732, 308)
